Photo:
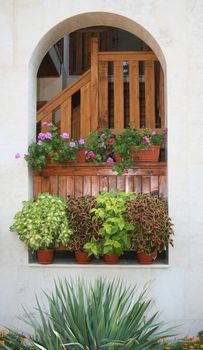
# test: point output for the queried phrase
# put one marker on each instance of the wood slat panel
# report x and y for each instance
(95, 185)
(137, 183)
(37, 185)
(162, 186)
(66, 116)
(62, 180)
(146, 184)
(78, 51)
(154, 184)
(103, 94)
(46, 184)
(127, 56)
(121, 183)
(129, 183)
(161, 97)
(85, 122)
(118, 96)
(53, 185)
(149, 95)
(70, 186)
(112, 183)
(134, 94)
(103, 184)
(94, 83)
(78, 186)
(87, 185)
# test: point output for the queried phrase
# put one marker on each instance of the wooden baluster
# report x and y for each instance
(134, 95)
(103, 94)
(85, 122)
(66, 114)
(94, 83)
(48, 119)
(118, 96)
(149, 95)
(161, 97)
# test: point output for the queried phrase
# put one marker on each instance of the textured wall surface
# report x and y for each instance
(174, 30)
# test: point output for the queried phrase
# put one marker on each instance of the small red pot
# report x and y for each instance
(80, 156)
(82, 257)
(150, 154)
(144, 258)
(111, 259)
(45, 256)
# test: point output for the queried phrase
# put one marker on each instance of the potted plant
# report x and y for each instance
(83, 227)
(100, 145)
(153, 228)
(42, 225)
(81, 150)
(114, 230)
(147, 144)
(50, 147)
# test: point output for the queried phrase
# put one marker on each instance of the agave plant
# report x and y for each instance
(102, 315)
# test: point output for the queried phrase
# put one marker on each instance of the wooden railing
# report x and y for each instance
(94, 87)
(90, 179)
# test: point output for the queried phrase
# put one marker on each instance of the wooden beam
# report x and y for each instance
(94, 83)
(127, 56)
(149, 94)
(134, 95)
(103, 94)
(118, 96)
(66, 116)
(85, 122)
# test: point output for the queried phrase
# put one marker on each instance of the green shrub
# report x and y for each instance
(101, 315)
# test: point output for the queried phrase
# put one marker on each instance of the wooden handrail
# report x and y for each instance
(64, 95)
(127, 56)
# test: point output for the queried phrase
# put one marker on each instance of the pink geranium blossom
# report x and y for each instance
(65, 135)
(145, 139)
(41, 136)
(39, 142)
(153, 133)
(109, 160)
(72, 144)
(17, 155)
(81, 141)
(47, 135)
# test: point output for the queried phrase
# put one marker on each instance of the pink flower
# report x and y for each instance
(92, 155)
(65, 135)
(153, 133)
(72, 144)
(44, 123)
(17, 155)
(49, 124)
(41, 136)
(81, 141)
(109, 160)
(145, 139)
(164, 138)
(166, 129)
(125, 171)
(103, 136)
(39, 142)
(48, 135)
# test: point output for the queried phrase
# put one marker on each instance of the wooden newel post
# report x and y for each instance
(94, 84)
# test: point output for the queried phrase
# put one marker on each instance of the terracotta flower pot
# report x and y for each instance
(144, 258)
(82, 257)
(45, 256)
(117, 157)
(111, 259)
(80, 156)
(150, 154)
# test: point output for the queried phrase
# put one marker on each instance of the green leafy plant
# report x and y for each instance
(149, 215)
(43, 223)
(95, 316)
(80, 219)
(114, 231)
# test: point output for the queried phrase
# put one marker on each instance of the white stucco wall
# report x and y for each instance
(29, 28)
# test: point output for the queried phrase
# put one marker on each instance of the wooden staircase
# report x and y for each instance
(120, 88)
